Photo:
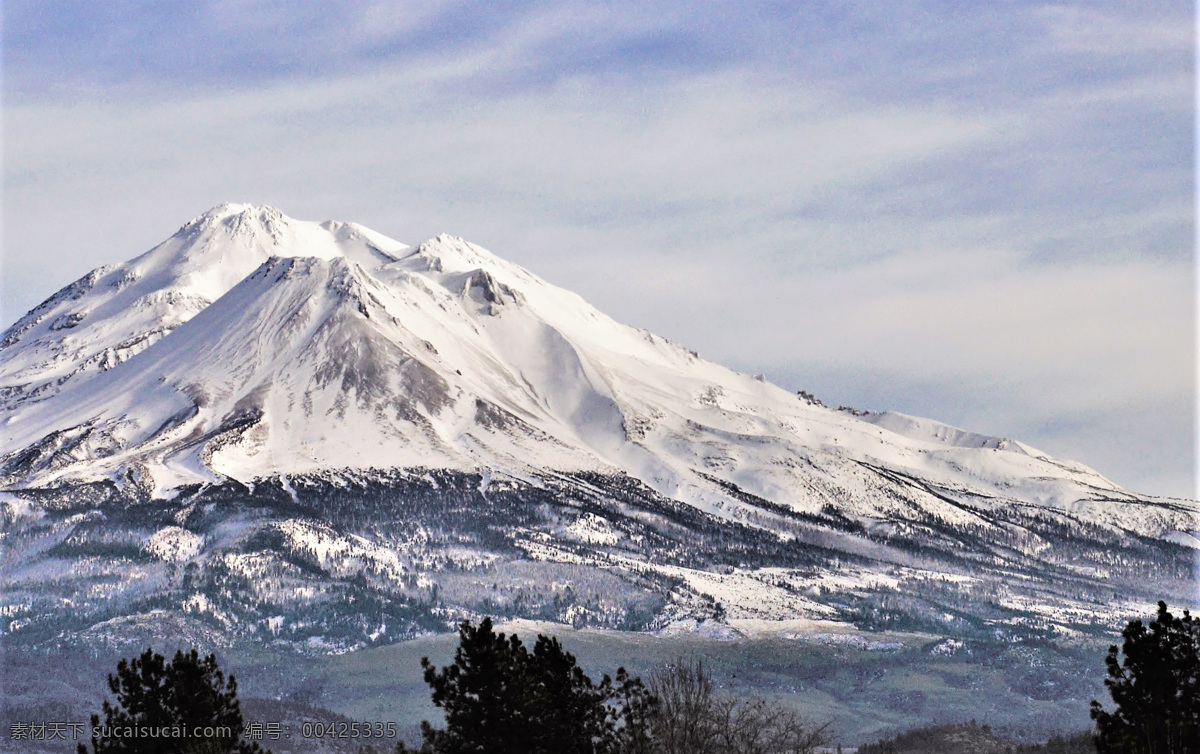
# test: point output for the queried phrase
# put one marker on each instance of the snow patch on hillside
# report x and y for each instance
(174, 544)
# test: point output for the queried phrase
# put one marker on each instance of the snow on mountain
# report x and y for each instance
(116, 311)
(256, 350)
(250, 345)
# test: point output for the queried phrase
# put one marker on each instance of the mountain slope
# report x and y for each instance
(331, 354)
(116, 311)
(258, 353)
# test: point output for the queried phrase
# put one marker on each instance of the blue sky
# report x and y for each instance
(985, 216)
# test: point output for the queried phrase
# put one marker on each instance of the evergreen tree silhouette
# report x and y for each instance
(501, 699)
(156, 700)
(1156, 688)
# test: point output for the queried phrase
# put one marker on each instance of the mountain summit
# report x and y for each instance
(251, 345)
(251, 351)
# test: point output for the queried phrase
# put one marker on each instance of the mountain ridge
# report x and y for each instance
(279, 361)
(427, 277)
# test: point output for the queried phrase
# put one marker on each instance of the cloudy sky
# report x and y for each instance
(985, 216)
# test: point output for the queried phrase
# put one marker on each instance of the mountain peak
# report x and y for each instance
(116, 311)
(239, 219)
(226, 210)
(447, 253)
(513, 372)
(252, 362)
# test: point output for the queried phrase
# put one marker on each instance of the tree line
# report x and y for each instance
(500, 697)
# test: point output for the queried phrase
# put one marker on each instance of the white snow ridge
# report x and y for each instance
(254, 374)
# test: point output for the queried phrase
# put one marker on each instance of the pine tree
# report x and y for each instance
(1156, 689)
(185, 706)
(501, 699)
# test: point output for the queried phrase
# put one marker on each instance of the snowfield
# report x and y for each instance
(235, 379)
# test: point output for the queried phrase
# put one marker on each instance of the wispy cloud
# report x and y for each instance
(1101, 31)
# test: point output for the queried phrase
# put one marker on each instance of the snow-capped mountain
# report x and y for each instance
(255, 352)
(251, 345)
